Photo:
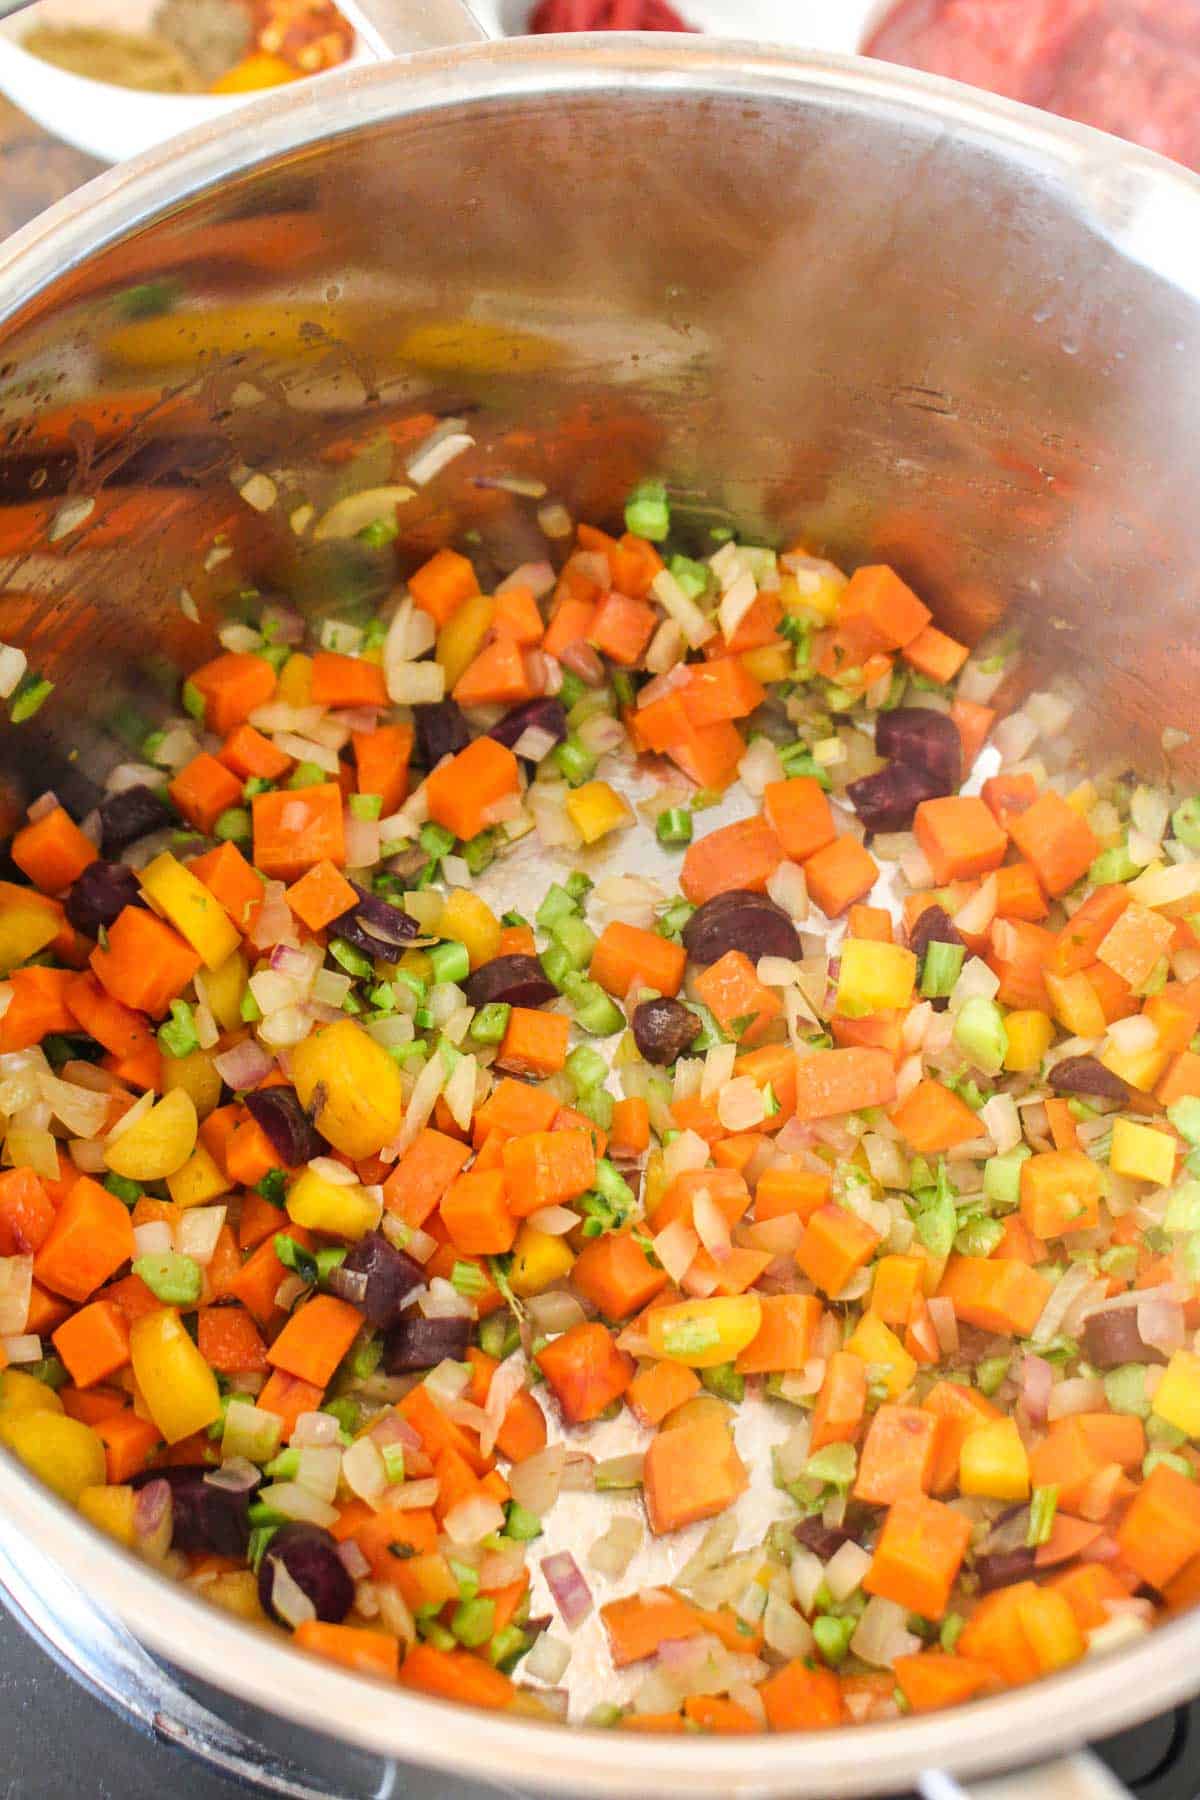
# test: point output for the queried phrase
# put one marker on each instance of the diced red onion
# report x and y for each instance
(676, 1247)
(353, 1560)
(1037, 1379)
(152, 1519)
(316, 1428)
(571, 1593)
(16, 1291)
(1160, 1324)
(245, 1066)
(473, 1519)
(945, 1323)
(538, 577)
(414, 1496)
(506, 1383)
(237, 1476)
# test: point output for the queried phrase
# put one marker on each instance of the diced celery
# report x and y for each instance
(979, 1032)
(1002, 1176)
(1125, 1390)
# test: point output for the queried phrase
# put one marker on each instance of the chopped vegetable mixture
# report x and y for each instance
(338, 1211)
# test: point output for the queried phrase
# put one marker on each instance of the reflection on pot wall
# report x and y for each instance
(803, 318)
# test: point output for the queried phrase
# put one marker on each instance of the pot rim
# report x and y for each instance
(1126, 190)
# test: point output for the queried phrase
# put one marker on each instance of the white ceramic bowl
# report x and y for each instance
(114, 123)
(811, 24)
(109, 122)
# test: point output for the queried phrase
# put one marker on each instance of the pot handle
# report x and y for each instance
(1080, 1776)
(398, 27)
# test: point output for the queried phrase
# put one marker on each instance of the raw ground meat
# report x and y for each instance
(1127, 66)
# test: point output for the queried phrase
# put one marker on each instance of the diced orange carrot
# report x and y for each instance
(995, 1293)
(455, 1675)
(514, 1107)
(1004, 795)
(229, 1341)
(26, 1212)
(878, 611)
(517, 617)
(203, 790)
(918, 1555)
(935, 1679)
(464, 792)
(38, 1005)
(932, 1118)
(231, 880)
(93, 1343)
(128, 1444)
(784, 1337)
(1019, 893)
(782, 1189)
(839, 875)
(498, 676)
(614, 1273)
(742, 855)
(959, 836)
(1160, 1532)
(346, 681)
(233, 686)
(262, 1275)
(897, 1456)
(724, 1187)
(91, 1237)
(895, 1282)
(1060, 1192)
(798, 1697)
(622, 629)
(474, 1212)
(835, 1245)
(974, 722)
(873, 923)
(799, 815)
(422, 1175)
(630, 1126)
(315, 1339)
(720, 690)
(52, 851)
(934, 654)
(321, 896)
(741, 1004)
(381, 760)
(1087, 927)
(1057, 840)
(355, 1647)
(294, 830)
(841, 1402)
(249, 754)
(693, 1472)
(1181, 1079)
(116, 1026)
(626, 954)
(1134, 944)
(586, 1372)
(443, 584)
(534, 1043)
(838, 1081)
(659, 1389)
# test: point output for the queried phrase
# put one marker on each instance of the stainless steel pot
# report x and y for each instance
(826, 297)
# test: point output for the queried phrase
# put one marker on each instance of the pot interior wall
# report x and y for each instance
(832, 320)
